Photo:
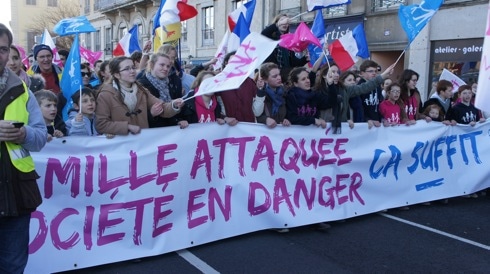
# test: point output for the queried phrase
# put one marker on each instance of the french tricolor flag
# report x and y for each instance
(239, 34)
(347, 48)
(128, 44)
(246, 9)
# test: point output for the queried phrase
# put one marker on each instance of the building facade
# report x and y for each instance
(453, 38)
(24, 11)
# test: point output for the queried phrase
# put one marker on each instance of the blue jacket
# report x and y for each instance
(84, 128)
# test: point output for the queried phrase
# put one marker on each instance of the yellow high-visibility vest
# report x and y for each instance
(17, 111)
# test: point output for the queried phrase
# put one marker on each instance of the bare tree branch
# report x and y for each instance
(48, 20)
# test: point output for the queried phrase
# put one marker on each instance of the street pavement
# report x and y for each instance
(438, 238)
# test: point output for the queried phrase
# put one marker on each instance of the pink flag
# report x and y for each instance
(299, 40)
(23, 56)
(90, 56)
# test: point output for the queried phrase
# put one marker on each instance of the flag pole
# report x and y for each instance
(324, 52)
(188, 98)
(180, 59)
(399, 57)
(401, 54)
(80, 101)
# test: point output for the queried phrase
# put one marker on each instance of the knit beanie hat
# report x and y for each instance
(40, 47)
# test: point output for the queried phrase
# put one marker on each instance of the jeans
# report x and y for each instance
(14, 243)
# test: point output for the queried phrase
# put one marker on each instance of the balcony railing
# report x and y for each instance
(291, 12)
(102, 5)
(383, 5)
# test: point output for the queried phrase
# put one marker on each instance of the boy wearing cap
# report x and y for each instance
(43, 55)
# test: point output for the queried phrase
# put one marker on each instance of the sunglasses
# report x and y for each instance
(88, 74)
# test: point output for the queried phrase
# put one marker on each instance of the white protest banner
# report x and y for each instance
(482, 99)
(451, 77)
(221, 51)
(249, 56)
(166, 189)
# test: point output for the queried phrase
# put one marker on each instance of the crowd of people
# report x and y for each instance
(124, 95)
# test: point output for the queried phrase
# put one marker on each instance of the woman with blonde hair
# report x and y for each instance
(156, 80)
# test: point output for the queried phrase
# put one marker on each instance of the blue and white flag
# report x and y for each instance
(413, 18)
(318, 29)
(71, 79)
(320, 4)
(73, 25)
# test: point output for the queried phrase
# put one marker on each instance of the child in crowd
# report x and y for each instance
(343, 88)
(48, 101)
(392, 109)
(82, 123)
(203, 108)
(434, 112)
(386, 83)
(465, 112)
(442, 98)
(273, 96)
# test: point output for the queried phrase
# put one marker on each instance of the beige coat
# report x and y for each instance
(113, 115)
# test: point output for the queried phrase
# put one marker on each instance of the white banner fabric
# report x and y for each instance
(109, 200)
(482, 99)
(248, 57)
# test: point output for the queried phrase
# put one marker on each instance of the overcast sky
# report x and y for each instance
(5, 13)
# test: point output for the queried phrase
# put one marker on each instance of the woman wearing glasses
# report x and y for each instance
(123, 106)
(410, 94)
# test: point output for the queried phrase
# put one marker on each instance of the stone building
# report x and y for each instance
(453, 39)
(22, 14)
